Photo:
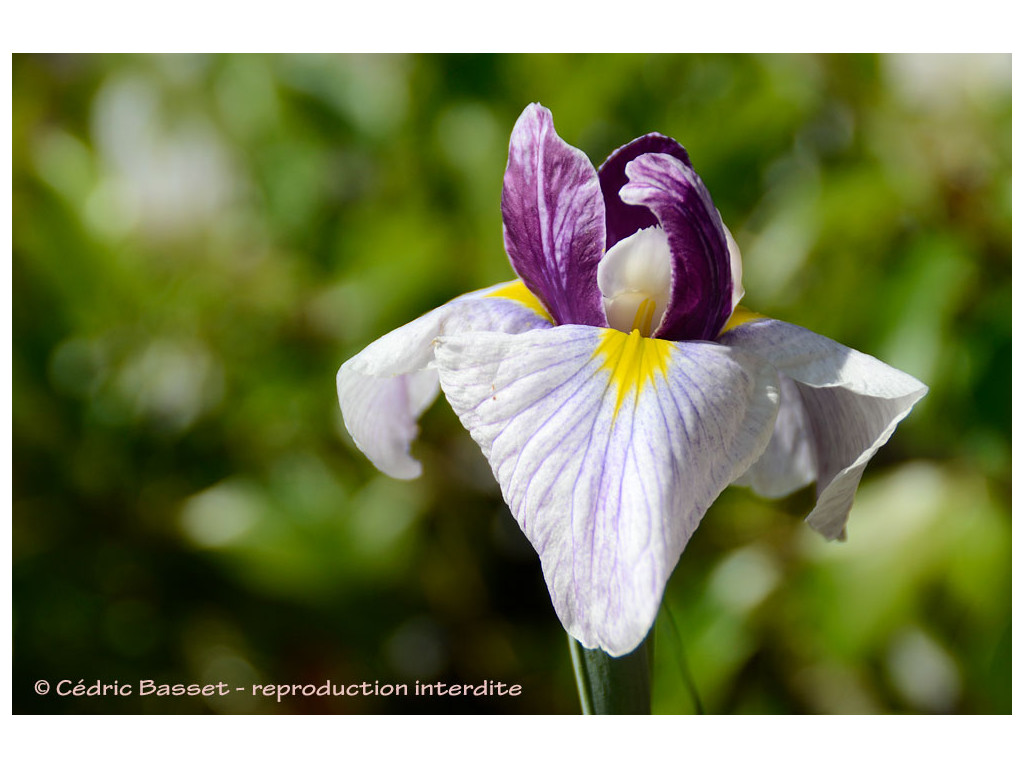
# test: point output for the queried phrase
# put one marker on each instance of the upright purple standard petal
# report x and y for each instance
(701, 272)
(622, 219)
(553, 219)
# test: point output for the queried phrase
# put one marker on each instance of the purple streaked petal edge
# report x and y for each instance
(553, 219)
(623, 219)
(701, 265)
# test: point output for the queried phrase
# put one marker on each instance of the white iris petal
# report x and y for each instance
(608, 450)
(839, 406)
(385, 388)
(635, 270)
(735, 266)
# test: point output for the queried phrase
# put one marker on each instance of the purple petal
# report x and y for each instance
(553, 219)
(701, 273)
(622, 219)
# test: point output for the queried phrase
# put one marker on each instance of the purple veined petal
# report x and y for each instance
(702, 289)
(553, 219)
(384, 389)
(608, 449)
(850, 403)
(623, 219)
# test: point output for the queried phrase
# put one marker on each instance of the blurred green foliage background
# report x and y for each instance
(200, 241)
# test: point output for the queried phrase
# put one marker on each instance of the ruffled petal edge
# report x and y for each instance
(849, 403)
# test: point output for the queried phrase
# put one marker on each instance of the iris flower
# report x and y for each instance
(616, 388)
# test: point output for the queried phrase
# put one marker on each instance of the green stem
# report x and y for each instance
(613, 686)
(684, 667)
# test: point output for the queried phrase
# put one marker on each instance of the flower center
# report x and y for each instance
(635, 278)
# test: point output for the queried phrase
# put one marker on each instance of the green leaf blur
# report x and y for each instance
(200, 241)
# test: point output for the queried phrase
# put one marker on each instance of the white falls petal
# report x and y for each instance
(608, 449)
(788, 463)
(850, 403)
(384, 389)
